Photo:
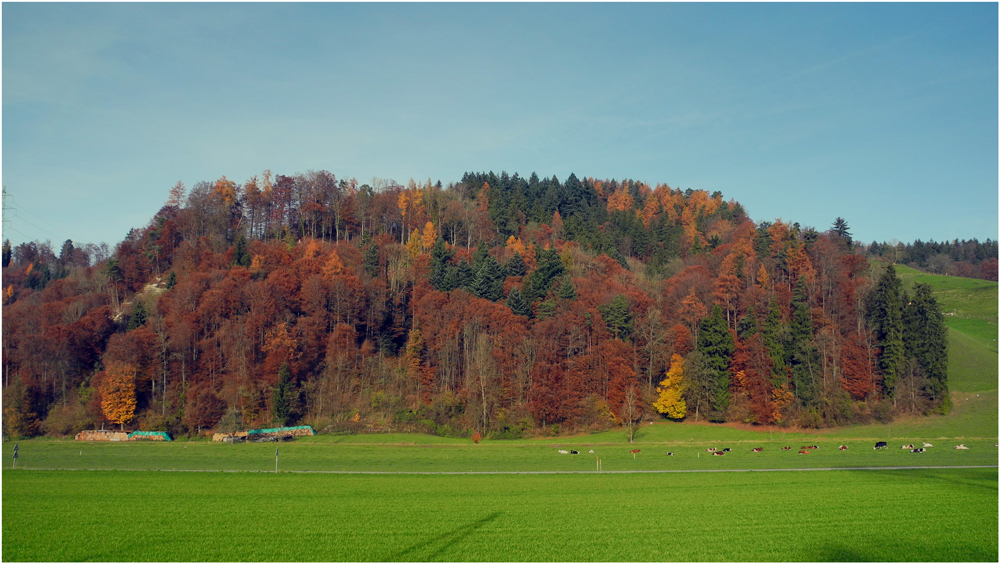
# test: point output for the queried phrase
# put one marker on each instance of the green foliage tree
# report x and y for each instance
(803, 358)
(566, 290)
(489, 281)
(716, 345)
(370, 260)
(885, 317)
(7, 253)
(517, 304)
(515, 266)
(617, 317)
(171, 280)
(281, 408)
(241, 252)
(440, 258)
(549, 268)
(925, 339)
(775, 333)
(138, 317)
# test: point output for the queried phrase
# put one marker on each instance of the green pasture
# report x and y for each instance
(852, 515)
(525, 456)
(969, 304)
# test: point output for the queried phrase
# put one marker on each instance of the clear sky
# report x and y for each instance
(884, 114)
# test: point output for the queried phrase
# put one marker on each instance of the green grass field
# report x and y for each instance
(888, 515)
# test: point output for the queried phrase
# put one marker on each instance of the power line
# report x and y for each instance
(26, 210)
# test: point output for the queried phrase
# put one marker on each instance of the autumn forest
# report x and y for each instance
(502, 305)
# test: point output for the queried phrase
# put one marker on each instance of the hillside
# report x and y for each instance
(506, 305)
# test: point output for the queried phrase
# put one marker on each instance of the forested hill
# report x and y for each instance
(499, 304)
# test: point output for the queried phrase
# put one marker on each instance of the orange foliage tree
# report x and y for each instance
(118, 393)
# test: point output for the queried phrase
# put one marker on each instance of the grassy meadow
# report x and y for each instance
(887, 515)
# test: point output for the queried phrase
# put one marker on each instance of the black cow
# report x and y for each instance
(574, 452)
(881, 444)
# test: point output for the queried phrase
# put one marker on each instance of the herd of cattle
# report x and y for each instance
(880, 445)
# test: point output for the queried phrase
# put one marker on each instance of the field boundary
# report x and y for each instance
(514, 472)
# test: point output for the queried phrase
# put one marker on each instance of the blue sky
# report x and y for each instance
(884, 114)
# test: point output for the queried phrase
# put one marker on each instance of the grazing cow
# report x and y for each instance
(710, 449)
(670, 454)
(842, 447)
(591, 451)
(916, 450)
(926, 445)
(904, 447)
(786, 448)
(727, 450)
(636, 451)
(719, 453)
(881, 444)
(961, 447)
(803, 452)
(757, 450)
(574, 452)
(563, 452)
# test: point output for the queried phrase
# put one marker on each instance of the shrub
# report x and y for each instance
(476, 437)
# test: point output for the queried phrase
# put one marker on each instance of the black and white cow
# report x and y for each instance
(881, 445)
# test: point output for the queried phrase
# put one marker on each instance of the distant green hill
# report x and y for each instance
(970, 308)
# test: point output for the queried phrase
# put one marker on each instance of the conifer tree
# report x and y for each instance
(281, 398)
(440, 257)
(138, 317)
(886, 320)
(773, 332)
(716, 345)
(517, 304)
(617, 317)
(370, 260)
(566, 291)
(925, 339)
(515, 266)
(803, 358)
(489, 281)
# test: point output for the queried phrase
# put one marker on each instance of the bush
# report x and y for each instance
(476, 437)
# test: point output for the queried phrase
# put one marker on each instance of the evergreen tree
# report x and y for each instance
(370, 260)
(774, 336)
(884, 312)
(566, 290)
(515, 266)
(841, 229)
(440, 257)
(66, 253)
(746, 327)
(546, 309)
(138, 317)
(925, 339)
(241, 252)
(7, 253)
(617, 317)
(171, 280)
(465, 277)
(803, 358)
(281, 407)
(489, 281)
(716, 345)
(517, 304)
(550, 267)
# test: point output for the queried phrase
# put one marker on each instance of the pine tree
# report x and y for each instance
(370, 260)
(617, 317)
(515, 266)
(7, 253)
(884, 312)
(440, 257)
(746, 327)
(489, 280)
(171, 280)
(774, 332)
(566, 291)
(241, 252)
(138, 317)
(925, 339)
(281, 398)
(803, 358)
(517, 304)
(716, 345)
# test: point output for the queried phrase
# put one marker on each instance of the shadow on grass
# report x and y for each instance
(439, 544)
(837, 553)
(984, 478)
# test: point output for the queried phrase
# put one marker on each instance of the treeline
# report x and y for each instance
(497, 304)
(968, 259)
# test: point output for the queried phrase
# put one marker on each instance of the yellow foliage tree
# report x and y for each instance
(312, 249)
(413, 244)
(671, 390)
(118, 393)
(429, 237)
